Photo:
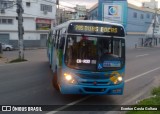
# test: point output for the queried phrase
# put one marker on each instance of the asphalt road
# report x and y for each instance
(29, 83)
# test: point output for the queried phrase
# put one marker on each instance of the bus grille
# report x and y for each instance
(84, 76)
(95, 83)
(95, 89)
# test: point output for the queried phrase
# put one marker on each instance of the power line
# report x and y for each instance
(63, 5)
(8, 7)
(73, 8)
(49, 1)
(31, 14)
(69, 3)
(102, 17)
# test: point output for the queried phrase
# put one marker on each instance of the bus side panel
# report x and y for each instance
(54, 56)
(49, 50)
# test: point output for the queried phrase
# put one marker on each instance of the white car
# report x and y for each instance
(7, 47)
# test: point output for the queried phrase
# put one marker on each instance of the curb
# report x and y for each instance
(34, 48)
(4, 60)
(138, 101)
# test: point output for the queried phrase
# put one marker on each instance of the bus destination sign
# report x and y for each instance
(96, 29)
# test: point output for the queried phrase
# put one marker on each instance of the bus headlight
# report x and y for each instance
(70, 78)
(116, 80)
(120, 78)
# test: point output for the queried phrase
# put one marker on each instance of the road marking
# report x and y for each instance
(140, 75)
(68, 105)
(75, 102)
(142, 55)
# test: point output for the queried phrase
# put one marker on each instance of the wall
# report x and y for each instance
(136, 27)
(138, 24)
(31, 36)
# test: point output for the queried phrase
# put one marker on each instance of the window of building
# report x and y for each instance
(46, 8)
(6, 4)
(10, 21)
(142, 16)
(96, 13)
(148, 15)
(152, 16)
(28, 4)
(6, 21)
(135, 15)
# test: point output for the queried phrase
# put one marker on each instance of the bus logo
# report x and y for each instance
(113, 10)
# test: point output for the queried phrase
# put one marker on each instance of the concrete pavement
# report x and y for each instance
(30, 55)
(30, 83)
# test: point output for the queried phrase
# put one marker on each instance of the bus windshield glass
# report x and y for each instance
(94, 53)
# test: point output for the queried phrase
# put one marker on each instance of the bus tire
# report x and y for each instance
(55, 82)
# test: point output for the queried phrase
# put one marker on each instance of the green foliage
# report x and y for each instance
(156, 91)
(150, 101)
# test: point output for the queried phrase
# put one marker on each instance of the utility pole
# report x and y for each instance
(20, 28)
(154, 25)
(64, 19)
(57, 12)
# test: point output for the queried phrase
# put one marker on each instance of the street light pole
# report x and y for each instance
(57, 12)
(154, 25)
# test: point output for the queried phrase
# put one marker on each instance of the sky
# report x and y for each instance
(90, 3)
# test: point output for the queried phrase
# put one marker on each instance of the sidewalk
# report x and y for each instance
(32, 55)
(143, 47)
(7, 56)
(3, 60)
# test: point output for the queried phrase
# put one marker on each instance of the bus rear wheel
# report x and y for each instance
(55, 82)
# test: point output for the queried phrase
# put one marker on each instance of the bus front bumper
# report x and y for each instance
(97, 90)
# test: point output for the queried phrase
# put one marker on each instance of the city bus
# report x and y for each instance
(88, 57)
(49, 47)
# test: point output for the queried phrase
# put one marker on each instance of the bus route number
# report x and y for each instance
(86, 61)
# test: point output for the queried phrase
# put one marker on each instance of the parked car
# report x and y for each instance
(7, 47)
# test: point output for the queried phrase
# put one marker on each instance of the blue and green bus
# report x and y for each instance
(87, 57)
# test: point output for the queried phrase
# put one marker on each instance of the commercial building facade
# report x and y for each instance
(38, 18)
(139, 27)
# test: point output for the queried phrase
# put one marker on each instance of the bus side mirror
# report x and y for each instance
(61, 45)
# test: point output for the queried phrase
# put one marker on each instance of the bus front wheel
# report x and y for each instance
(55, 82)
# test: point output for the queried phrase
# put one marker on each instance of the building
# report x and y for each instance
(139, 27)
(68, 15)
(64, 15)
(151, 4)
(80, 12)
(38, 18)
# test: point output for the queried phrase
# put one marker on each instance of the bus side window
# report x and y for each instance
(56, 34)
(62, 38)
(61, 44)
(53, 39)
(57, 43)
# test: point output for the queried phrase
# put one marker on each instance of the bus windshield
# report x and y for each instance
(94, 53)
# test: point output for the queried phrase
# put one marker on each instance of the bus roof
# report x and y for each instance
(66, 24)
